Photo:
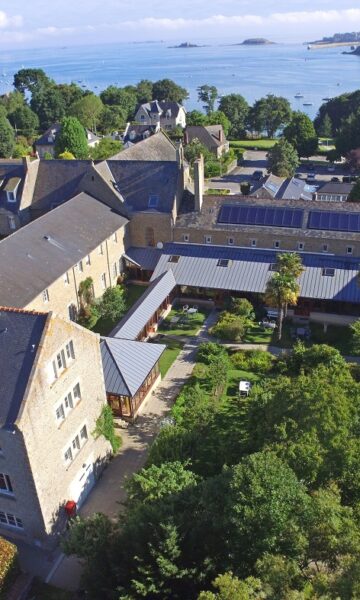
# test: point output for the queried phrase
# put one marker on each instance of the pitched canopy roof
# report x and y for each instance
(127, 363)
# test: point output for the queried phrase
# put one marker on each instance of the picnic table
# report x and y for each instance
(244, 388)
(268, 324)
(192, 311)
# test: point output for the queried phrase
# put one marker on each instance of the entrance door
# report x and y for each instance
(83, 482)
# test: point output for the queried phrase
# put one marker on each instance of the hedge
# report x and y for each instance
(8, 566)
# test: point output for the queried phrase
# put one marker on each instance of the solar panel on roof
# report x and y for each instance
(260, 215)
(334, 221)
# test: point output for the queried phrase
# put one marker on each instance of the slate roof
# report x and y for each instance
(157, 147)
(271, 185)
(138, 179)
(162, 107)
(20, 335)
(127, 363)
(208, 135)
(35, 256)
(296, 189)
(54, 130)
(144, 308)
(57, 181)
(248, 271)
(145, 258)
(335, 187)
(11, 170)
(136, 133)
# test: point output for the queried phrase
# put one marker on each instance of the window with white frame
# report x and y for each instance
(253, 243)
(11, 196)
(66, 278)
(87, 260)
(78, 441)
(62, 360)
(5, 484)
(70, 400)
(114, 237)
(349, 250)
(12, 223)
(208, 239)
(45, 296)
(186, 237)
(114, 270)
(103, 280)
(80, 267)
(300, 245)
(230, 241)
(276, 244)
(101, 249)
(72, 310)
(10, 520)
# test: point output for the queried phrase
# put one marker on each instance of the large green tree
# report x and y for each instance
(24, 121)
(207, 94)
(283, 159)
(282, 289)
(72, 138)
(106, 148)
(31, 80)
(112, 118)
(87, 110)
(166, 89)
(270, 114)
(235, 107)
(300, 132)
(144, 91)
(122, 98)
(7, 138)
(49, 106)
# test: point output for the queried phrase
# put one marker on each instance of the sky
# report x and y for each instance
(35, 23)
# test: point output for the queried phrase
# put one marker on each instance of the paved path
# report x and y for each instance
(109, 493)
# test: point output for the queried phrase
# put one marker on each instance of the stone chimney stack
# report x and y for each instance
(199, 182)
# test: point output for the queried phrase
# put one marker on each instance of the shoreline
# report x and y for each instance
(333, 45)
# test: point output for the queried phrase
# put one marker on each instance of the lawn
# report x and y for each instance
(169, 355)
(263, 144)
(189, 328)
(42, 591)
(134, 292)
(258, 335)
(234, 377)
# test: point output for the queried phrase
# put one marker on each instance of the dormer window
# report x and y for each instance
(11, 197)
(11, 188)
(153, 201)
(328, 272)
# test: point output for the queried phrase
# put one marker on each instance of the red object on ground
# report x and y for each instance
(70, 508)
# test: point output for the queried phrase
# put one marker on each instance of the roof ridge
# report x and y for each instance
(22, 310)
(114, 360)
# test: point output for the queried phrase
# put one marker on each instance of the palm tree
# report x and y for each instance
(289, 263)
(281, 290)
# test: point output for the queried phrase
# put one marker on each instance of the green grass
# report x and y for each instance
(43, 591)
(194, 323)
(134, 292)
(234, 377)
(169, 356)
(258, 335)
(215, 192)
(263, 144)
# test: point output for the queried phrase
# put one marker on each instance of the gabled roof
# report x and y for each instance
(145, 258)
(57, 181)
(126, 364)
(145, 307)
(209, 136)
(33, 257)
(157, 147)
(335, 187)
(49, 137)
(248, 270)
(162, 107)
(12, 175)
(20, 335)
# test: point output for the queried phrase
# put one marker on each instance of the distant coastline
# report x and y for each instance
(255, 42)
(188, 45)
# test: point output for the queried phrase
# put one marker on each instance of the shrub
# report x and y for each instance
(113, 304)
(242, 307)
(239, 360)
(88, 316)
(8, 565)
(355, 340)
(208, 350)
(105, 427)
(252, 360)
(230, 327)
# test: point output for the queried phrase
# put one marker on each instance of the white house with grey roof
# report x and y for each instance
(164, 113)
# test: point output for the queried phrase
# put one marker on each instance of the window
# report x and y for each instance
(60, 413)
(276, 244)
(101, 249)
(230, 241)
(11, 197)
(174, 259)
(70, 350)
(72, 312)
(253, 243)
(325, 248)
(45, 296)
(186, 237)
(68, 456)
(114, 270)
(273, 267)
(300, 245)
(114, 237)
(83, 434)
(328, 272)
(208, 239)
(11, 223)
(149, 236)
(66, 278)
(87, 260)
(80, 267)
(5, 484)
(77, 393)
(64, 356)
(153, 201)
(103, 281)
(76, 444)
(349, 250)
(222, 262)
(11, 520)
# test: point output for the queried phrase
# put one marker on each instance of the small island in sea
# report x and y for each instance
(255, 42)
(355, 51)
(186, 45)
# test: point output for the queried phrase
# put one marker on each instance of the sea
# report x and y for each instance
(253, 71)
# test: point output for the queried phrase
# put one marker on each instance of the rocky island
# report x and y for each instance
(255, 42)
(186, 45)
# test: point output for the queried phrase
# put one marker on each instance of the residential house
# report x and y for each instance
(45, 144)
(279, 188)
(51, 395)
(211, 136)
(333, 191)
(135, 133)
(168, 115)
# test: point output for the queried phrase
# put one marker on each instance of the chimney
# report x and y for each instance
(199, 182)
(180, 155)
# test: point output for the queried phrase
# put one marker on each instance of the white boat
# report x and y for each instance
(308, 104)
(298, 95)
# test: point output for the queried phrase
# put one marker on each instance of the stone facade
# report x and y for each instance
(148, 229)
(33, 454)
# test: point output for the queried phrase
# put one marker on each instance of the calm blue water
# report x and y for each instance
(252, 71)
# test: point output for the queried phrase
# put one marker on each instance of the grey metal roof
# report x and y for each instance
(127, 363)
(145, 258)
(144, 308)
(296, 189)
(20, 334)
(35, 256)
(248, 271)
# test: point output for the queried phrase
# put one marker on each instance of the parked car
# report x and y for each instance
(335, 179)
(331, 168)
(257, 175)
(310, 177)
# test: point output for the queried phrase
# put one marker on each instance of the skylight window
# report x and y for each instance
(153, 200)
(327, 272)
(273, 267)
(174, 259)
(223, 262)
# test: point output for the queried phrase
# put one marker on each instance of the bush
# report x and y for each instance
(8, 566)
(242, 308)
(208, 351)
(252, 360)
(355, 340)
(113, 304)
(230, 327)
(88, 316)
(105, 427)
(212, 169)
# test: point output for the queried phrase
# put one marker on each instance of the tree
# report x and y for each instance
(283, 159)
(348, 135)
(7, 138)
(301, 134)
(208, 95)
(122, 98)
(87, 110)
(155, 482)
(166, 89)
(22, 148)
(194, 149)
(281, 289)
(112, 118)
(12, 101)
(195, 117)
(218, 118)
(113, 304)
(355, 336)
(72, 138)
(70, 93)
(326, 127)
(106, 148)
(66, 155)
(242, 307)
(31, 80)
(236, 109)
(270, 114)
(49, 106)
(338, 109)
(229, 587)
(144, 91)
(24, 120)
